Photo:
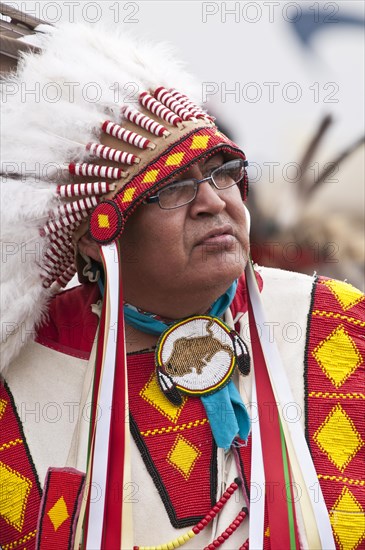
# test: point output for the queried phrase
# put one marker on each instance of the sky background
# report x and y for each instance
(234, 44)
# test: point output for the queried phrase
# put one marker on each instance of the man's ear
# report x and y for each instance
(89, 247)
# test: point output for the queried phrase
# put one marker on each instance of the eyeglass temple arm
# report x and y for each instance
(148, 200)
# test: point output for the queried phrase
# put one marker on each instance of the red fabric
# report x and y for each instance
(72, 327)
(71, 324)
(98, 364)
(239, 303)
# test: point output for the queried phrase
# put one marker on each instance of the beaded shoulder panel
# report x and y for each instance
(334, 404)
(20, 491)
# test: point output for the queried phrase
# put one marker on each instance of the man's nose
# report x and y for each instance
(207, 200)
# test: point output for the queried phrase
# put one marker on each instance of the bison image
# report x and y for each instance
(195, 352)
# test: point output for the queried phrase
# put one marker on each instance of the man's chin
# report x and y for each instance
(221, 271)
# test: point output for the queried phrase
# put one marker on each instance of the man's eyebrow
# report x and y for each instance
(218, 157)
(212, 162)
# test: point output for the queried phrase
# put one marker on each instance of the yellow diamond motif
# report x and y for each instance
(183, 456)
(103, 220)
(15, 489)
(58, 513)
(338, 356)
(345, 293)
(152, 393)
(199, 142)
(175, 159)
(3, 404)
(348, 521)
(150, 176)
(128, 194)
(338, 438)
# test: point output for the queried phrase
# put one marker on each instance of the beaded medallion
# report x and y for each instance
(197, 356)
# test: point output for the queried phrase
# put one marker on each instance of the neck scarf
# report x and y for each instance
(154, 324)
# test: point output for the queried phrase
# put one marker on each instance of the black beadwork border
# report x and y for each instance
(306, 366)
(74, 511)
(213, 474)
(41, 511)
(26, 447)
(244, 475)
(147, 459)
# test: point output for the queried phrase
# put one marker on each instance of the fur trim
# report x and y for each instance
(49, 113)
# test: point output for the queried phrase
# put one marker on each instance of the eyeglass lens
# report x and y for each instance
(184, 191)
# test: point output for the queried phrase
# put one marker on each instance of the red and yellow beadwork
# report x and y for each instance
(334, 378)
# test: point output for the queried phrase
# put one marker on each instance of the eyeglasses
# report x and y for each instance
(182, 192)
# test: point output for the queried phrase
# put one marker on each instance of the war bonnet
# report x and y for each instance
(93, 121)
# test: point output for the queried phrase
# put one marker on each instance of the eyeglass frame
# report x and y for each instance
(156, 198)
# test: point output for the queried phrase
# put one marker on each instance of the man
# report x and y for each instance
(155, 450)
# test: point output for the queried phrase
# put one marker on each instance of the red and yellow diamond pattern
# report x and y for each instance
(183, 454)
(20, 493)
(335, 404)
(28, 521)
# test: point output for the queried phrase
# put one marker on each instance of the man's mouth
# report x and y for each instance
(221, 236)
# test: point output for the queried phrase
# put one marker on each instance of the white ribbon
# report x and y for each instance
(102, 424)
(300, 459)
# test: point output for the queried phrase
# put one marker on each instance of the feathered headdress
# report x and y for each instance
(89, 115)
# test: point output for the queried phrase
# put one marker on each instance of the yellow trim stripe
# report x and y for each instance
(180, 428)
(338, 316)
(10, 444)
(329, 395)
(16, 543)
(343, 479)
